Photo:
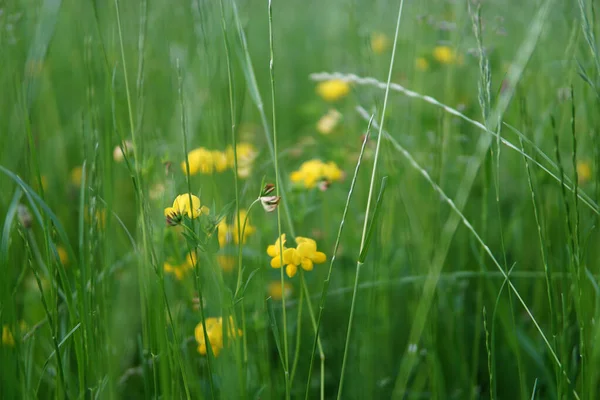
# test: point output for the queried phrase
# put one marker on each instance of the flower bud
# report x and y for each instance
(270, 203)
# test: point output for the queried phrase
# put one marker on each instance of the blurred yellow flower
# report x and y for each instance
(445, 55)
(333, 90)
(246, 154)
(179, 270)
(75, 176)
(201, 160)
(226, 262)
(379, 42)
(422, 64)
(214, 332)
(7, 337)
(219, 160)
(230, 233)
(584, 171)
(118, 155)
(328, 122)
(275, 292)
(62, 255)
(182, 206)
(314, 171)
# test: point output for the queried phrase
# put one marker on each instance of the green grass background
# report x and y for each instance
(64, 104)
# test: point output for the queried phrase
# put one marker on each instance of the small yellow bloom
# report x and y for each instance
(444, 55)
(201, 160)
(182, 206)
(75, 176)
(62, 255)
(379, 43)
(274, 290)
(333, 90)
(214, 332)
(304, 255)
(328, 122)
(246, 154)
(422, 64)
(226, 262)
(7, 337)
(118, 155)
(584, 171)
(180, 270)
(314, 171)
(220, 160)
(228, 233)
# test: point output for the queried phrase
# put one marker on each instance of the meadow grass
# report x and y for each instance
(455, 200)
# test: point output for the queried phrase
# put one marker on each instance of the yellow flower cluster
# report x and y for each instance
(182, 207)
(7, 337)
(305, 255)
(206, 161)
(333, 90)
(231, 233)
(179, 270)
(315, 171)
(329, 122)
(214, 331)
(446, 55)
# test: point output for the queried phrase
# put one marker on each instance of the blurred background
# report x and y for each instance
(480, 276)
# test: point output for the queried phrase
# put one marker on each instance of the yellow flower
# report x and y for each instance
(228, 233)
(314, 171)
(422, 64)
(246, 154)
(304, 255)
(75, 176)
(182, 206)
(179, 270)
(444, 55)
(226, 262)
(201, 161)
(7, 337)
(118, 155)
(214, 331)
(274, 290)
(379, 42)
(220, 160)
(62, 255)
(333, 90)
(307, 253)
(328, 122)
(584, 172)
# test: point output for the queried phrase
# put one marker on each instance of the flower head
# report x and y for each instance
(304, 255)
(584, 172)
(246, 154)
(182, 206)
(274, 290)
(422, 64)
(314, 171)
(200, 160)
(231, 232)
(7, 337)
(75, 176)
(226, 262)
(379, 42)
(179, 270)
(333, 90)
(445, 55)
(329, 122)
(214, 331)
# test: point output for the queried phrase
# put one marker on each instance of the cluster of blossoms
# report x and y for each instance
(231, 233)
(333, 90)
(304, 255)
(315, 172)
(205, 161)
(179, 270)
(214, 332)
(442, 55)
(328, 122)
(182, 206)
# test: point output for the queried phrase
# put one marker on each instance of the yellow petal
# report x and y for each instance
(319, 257)
(291, 270)
(307, 264)
(276, 262)
(170, 211)
(272, 251)
(307, 248)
